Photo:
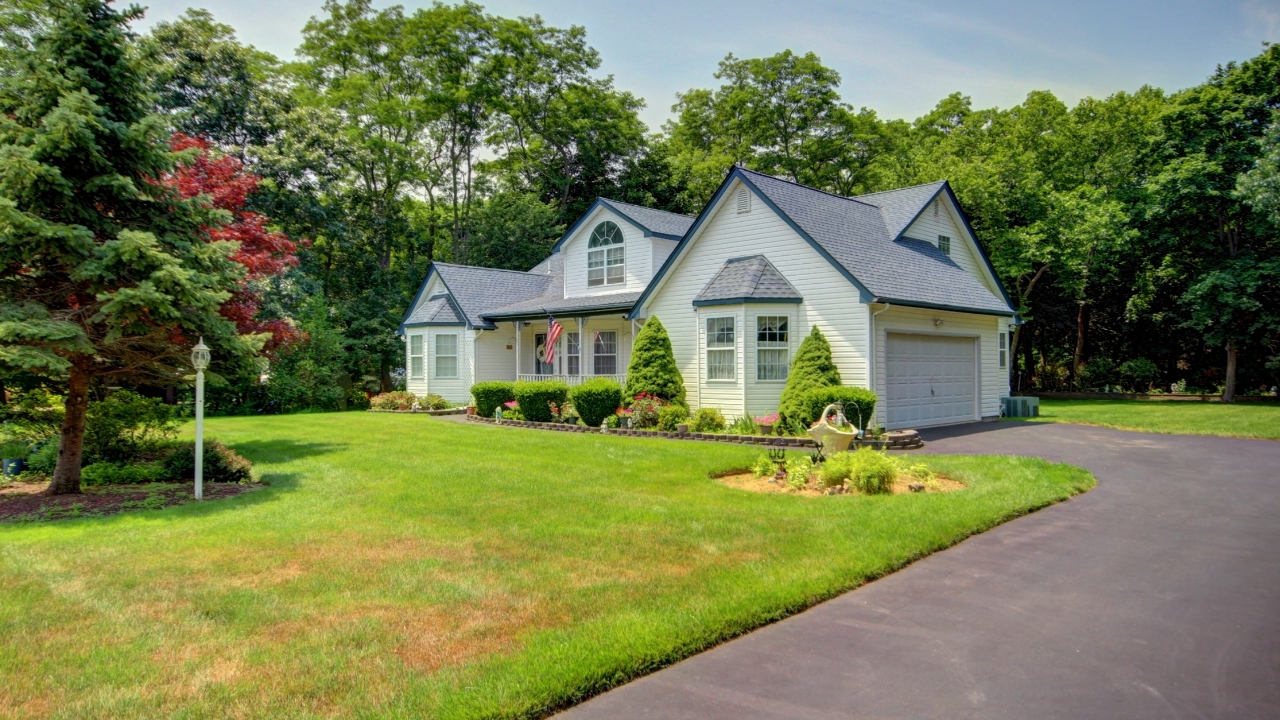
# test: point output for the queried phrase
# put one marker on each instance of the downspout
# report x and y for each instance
(871, 359)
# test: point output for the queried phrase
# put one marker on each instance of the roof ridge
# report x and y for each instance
(812, 189)
(481, 267)
(646, 207)
(904, 187)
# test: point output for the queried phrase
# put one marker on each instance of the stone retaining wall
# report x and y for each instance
(790, 442)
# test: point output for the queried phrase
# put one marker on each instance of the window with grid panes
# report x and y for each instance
(446, 359)
(721, 349)
(772, 356)
(604, 353)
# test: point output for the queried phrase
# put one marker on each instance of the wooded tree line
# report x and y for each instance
(1137, 233)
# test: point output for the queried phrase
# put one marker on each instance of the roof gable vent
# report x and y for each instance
(744, 201)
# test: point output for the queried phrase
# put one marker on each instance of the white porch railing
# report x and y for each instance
(572, 379)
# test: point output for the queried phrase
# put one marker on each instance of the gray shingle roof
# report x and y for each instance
(658, 221)
(747, 278)
(478, 289)
(555, 304)
(439, 310)
(859, 233)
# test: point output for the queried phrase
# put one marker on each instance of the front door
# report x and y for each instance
(543, 368)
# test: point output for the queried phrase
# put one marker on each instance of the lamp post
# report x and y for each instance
(200, 361)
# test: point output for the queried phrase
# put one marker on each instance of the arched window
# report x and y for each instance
(605, 256)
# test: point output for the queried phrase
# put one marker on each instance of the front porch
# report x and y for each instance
(605, 354)
(572, 380)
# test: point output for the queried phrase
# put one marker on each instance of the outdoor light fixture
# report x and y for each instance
(200, 361)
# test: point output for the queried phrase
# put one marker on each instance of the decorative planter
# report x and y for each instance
(471, 409)
(13, 466)
(766, 429)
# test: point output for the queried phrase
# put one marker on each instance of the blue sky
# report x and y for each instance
(898, 58)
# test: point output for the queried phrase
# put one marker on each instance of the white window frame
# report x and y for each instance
(597, 353)
(944, 244)
(718, 348)
(572, 354)
(608, 259)
(773, 346)
(436, 356)
(1004, 342)
(417, 359)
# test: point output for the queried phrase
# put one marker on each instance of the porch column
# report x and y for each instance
(517, 324)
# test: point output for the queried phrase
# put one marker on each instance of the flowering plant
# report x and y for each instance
(644, 410)
(510, 404)
(770, 419)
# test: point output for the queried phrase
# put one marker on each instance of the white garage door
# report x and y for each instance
(931, 380)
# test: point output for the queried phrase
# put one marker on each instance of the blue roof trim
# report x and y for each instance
(748, 301)
(948, 308)
(601, 202)
(946, 186)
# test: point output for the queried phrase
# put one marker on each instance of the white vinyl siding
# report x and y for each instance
(462, 343)
(415, 356)
(494, 359)
(830, 301)
(722, 361)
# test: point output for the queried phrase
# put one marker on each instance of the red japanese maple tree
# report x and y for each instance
(262, 252)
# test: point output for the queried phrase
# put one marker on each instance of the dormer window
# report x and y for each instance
(606, 256)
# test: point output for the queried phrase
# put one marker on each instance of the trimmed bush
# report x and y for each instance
(221, 464)
(652, 369)
(671, 416)
(393, 400)
(858, 403)
(434, 402)
(490, 395)
(812, 368)
(535, 398)
(596, 400)
(707, 420)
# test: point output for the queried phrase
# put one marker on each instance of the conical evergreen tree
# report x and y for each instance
(812, 368)
(105, 271)
(653, 365)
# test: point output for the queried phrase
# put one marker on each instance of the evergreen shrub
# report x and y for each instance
(596, 400)
(812, 368)
(535, 398)
(492, 394)
(859, 405)
(221, 464)
(652, 369)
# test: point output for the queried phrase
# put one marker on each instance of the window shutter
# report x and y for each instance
(744, 201)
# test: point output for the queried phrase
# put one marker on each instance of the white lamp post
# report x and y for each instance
(200, 361)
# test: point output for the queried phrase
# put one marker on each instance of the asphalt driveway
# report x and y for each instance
(1155, 595)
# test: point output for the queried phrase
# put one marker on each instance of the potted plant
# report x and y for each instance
(14, 458)
(767, 423)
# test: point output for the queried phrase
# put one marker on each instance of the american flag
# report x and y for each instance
(553, 334)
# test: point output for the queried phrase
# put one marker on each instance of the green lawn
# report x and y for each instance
(1242, 419)
(411, 567)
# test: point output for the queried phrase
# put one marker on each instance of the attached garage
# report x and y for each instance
(930, 380)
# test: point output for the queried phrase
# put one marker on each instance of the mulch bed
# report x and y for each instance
(22, 502)
(901, 486)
